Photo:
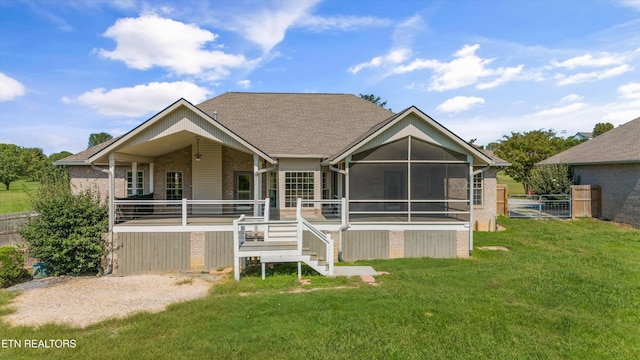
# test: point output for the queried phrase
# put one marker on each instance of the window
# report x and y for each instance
(174, 185)
(477, 189)
(244, 185)
(273, 189)
(297, 184)
(139, 183)
(326, 190)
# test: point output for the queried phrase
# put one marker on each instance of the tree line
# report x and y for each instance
(17, 162)
(524, 150)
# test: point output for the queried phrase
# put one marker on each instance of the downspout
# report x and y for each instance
(110, 266)
(346, 224)
(474, 173)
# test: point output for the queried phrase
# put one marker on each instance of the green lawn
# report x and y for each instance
(513, 186)
(566, 290)
(16, 199)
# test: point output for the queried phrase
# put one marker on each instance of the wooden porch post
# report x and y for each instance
(134, 178)
(257, 188)
(112, 190)
(150, 178)
(470, 197)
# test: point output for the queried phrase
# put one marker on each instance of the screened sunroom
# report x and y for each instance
(409, 181)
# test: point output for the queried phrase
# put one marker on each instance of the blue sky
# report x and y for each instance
(480, 68)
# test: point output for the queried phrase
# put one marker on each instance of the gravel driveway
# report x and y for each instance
(82, 301)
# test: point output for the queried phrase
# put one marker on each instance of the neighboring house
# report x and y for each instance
(583, 136)
(380, 184)
(611, 161)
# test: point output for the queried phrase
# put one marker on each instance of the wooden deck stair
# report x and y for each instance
(281, 242)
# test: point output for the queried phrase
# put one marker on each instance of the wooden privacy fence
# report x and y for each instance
(502, 203)
(9, 225)
(586, 201)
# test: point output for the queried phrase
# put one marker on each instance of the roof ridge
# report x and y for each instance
(283, 93)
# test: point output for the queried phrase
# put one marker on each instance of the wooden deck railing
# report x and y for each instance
(185, 209)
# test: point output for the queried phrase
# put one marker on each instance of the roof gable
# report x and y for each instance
(410, 122)
(181, 120)
(619, 145)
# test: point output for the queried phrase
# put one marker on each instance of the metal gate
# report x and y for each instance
(540, 206)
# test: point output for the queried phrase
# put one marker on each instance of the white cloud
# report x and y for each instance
(465, 69)
(10, 88)
(508, 74)
(140, 99)
(633, 4)
(150, 40)
(588, 60)
(245, 84)
(342, 23)
(571, 98)
(267, 27)
(630, 91)
(592, 76)
(561, 110)
(393, 57)
(460, 103)
(406, 31)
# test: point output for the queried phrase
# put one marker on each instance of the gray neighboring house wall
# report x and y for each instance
(611, 161)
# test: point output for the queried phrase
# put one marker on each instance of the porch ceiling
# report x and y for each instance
(162, 145)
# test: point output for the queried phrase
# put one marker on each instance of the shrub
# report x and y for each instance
(11, 266)
(551, 179)
(67, 236)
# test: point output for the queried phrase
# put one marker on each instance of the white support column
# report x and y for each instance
(150, 178)
(346, 183)
(256, 189)
(134, 178)
(184, 211)
(470, 196)
(112, 190)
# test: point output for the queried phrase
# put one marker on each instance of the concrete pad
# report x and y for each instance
(354, 271)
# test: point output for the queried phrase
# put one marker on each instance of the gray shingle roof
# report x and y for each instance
(314, 125)
(620, 145)
(81, 157)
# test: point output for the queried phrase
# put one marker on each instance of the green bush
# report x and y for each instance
(67, 236)
(551, 179)
(11, 266)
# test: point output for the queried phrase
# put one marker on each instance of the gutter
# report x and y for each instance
(110, 267)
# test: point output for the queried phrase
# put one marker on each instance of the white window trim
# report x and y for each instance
(481, 188)
(129, 187)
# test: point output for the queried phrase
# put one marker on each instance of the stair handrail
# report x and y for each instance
(326, 238)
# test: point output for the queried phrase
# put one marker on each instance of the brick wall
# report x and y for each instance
(462, 244)
(620, 186)
(85, 177)
(179, 160)
(484, 216)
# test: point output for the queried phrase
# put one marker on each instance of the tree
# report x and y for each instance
(524, 150)
(551, 179)
(374, 99)
(601, 128)
(13, 163)
(58, 156)
(36, 163)
(67, 235)
(98, 138)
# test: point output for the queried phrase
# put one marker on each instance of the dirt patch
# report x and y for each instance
(493, 248)
(83, 301)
